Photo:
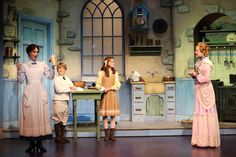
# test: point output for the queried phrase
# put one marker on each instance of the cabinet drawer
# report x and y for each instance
(170, 87)
(138, 97)
(137, 87)
(170, 108)
(170, 96)
(138, 109)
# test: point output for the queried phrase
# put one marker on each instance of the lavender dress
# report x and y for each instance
(34, 111)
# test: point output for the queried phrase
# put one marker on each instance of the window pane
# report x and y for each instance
(87, 46)
(117, 13)
(118, 46)
(87, 23)
(98, 11)
(97, 46)
(87, 65)
(97, 64)
(87, 12)
(107, 13)
(113, 7)
(107, 27)
(107, 46)
(117, 27)
(97, 27)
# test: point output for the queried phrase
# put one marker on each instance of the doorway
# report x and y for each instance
(36, 30)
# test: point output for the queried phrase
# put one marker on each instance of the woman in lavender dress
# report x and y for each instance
(205, 129)
(35, 123)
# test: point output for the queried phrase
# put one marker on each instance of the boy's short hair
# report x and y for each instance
(61, 65)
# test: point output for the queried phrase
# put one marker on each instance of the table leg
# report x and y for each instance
(75, 119)
(98, 130)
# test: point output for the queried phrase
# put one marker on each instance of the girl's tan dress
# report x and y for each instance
(109, 103)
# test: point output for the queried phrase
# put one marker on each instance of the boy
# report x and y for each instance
(62, 86)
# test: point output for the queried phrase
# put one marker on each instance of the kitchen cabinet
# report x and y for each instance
(170, 101)
(138, 108)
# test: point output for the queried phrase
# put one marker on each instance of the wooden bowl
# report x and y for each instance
(79, 83)
(168, 78)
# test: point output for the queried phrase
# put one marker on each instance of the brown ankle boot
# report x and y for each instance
(112, 134)
(106, 134)
(62, 133)
(58, 138)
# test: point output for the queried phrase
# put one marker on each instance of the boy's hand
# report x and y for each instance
(73, 88)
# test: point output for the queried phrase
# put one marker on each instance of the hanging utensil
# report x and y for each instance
(218, 54)
(226, 61)
(231, 58)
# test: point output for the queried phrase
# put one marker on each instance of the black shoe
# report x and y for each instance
(31, 148)
(40, 148)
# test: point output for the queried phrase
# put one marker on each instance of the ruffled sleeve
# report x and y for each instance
(117, 84)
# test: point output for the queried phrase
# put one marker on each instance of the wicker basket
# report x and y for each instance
(79, 83)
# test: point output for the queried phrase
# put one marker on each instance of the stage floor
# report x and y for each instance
(137, 129)
(147, 128)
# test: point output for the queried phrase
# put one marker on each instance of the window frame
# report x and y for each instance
(92, 37)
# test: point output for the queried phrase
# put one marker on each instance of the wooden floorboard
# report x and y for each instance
(177, 146)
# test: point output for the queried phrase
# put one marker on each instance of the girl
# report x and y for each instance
(108, 82)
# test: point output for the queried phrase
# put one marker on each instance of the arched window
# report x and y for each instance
(101, 36)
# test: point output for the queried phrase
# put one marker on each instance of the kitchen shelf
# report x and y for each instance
(215, 31)
(145, 50)
(14, 40)
(11, 57)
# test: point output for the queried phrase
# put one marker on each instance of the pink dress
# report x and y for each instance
(205, 129)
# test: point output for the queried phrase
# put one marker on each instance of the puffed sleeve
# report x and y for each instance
(99, 81)
(204, 73)
(48, 72)
(116, 86)
(21, 74)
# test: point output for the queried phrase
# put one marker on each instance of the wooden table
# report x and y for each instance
(86, 95)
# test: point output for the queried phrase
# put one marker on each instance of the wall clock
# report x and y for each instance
(140, 20)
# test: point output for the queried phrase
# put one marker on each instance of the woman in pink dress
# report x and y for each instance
(205, 129)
